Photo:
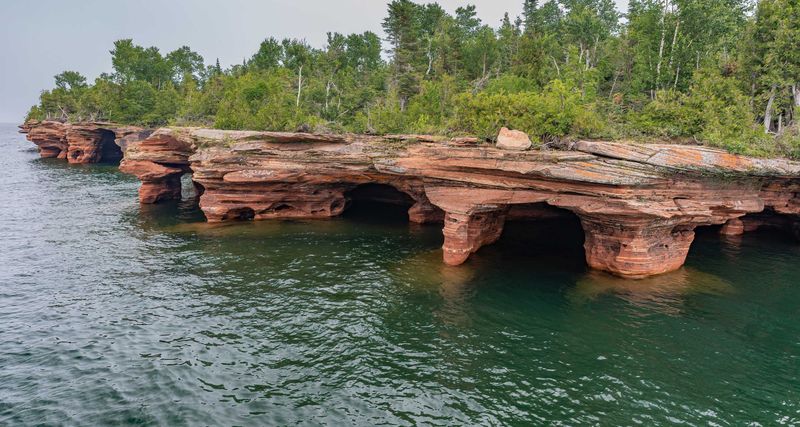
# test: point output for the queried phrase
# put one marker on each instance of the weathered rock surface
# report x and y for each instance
(82, 142)
(513, 140)
(638, 204)
(159, 161)
(49, 137)
(734, 227)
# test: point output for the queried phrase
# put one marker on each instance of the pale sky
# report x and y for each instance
(41, 38)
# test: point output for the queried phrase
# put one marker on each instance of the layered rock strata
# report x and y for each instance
(638, 204)
(82, 142)
(159, 162)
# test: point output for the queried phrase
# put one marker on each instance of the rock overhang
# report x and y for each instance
(638, 204)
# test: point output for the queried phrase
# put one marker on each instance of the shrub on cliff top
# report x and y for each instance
(788, 143)
(554, 112)
(258, 101)
(715, 111)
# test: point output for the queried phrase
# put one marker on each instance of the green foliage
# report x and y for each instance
(70, 80)
(386, 116)
(428, 111)
(136, 103)
(510, 83)
(788, 143)
(551, 113)
(667, 116)
(715, 111)
(258, 101)
(705, 71)
(723, 112)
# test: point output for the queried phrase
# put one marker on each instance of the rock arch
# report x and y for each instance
(92, 144)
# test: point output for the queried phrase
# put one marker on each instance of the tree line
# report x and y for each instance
(720, 72)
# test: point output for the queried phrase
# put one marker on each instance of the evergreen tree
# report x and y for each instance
(704, 70)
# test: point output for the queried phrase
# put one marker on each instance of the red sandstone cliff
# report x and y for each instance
(638, 204)
(82, 142)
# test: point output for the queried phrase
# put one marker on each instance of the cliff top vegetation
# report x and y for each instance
(724, 73)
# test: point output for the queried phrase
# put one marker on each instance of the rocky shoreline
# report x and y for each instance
(638, 204)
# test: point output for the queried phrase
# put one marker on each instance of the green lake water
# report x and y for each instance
(117, 314)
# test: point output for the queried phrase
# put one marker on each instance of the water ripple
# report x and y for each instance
(115, 313)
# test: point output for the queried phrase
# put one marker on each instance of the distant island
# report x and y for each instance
(723, 74)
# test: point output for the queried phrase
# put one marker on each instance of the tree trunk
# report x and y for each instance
(558, 70)
(613, 85)
(661, 45)
(299, 85)
(768, 111)
(430, 57)
(677, 74)
(674, 41)
(327, 94)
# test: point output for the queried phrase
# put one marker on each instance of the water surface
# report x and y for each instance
(112, 313)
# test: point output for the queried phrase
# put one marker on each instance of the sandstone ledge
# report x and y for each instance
(638, 204)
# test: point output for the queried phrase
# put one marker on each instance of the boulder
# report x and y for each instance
(513, 140)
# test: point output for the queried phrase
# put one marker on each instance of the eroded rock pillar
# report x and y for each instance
(464, 233)
(636, 248)
(167, 188)
(159, 182)
(423, 212)
(734, 227)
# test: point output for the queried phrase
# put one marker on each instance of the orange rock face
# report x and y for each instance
(50, 137)
(734, 227)
(82, 142)
(636, 250)
(159, 161)
(638, 204)
(464, 234)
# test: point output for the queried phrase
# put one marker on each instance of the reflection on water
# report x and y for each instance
(664, 293)
(454, 284)
(114, 313)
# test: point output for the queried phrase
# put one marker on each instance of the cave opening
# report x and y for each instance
(240, 214)
(767, 221)
(542, 234)
(377, 203)
(110, 152)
